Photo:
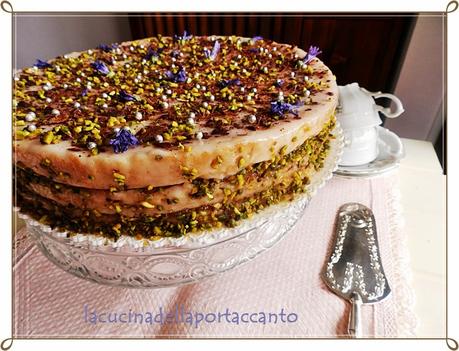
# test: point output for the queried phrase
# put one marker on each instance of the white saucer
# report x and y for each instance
(391, 151)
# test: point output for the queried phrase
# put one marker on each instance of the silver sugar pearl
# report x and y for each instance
(254, 90)
(306, 78)
(138, 116)
(92, 145)
(292, 74)
(30, 116)
(76, 105)
(104, 106)
(191, 121)
(78, 80)
(105, 95)
(116, 130)
(252, 119)
(192, 115)
(56, 112)
(31, 127)
(199, 135)
(205, 104)
(212, 98)
(248, 98)
(168, 92)
(90, 52)
(159, 138)
(65, 86)
(165, 105)
(48, 100)
(164, 97)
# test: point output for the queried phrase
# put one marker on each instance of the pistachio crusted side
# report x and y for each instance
(225, 213)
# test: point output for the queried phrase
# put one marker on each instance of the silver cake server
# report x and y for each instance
(354, 270)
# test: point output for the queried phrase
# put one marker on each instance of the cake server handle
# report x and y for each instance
(355, 318)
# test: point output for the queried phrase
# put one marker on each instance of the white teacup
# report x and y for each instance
(358, 116)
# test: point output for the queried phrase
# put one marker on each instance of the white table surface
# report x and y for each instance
(423, 192)
(423, 197)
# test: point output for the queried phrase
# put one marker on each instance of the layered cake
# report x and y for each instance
(169, 135)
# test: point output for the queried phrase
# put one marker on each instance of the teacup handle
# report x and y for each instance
(386, 111)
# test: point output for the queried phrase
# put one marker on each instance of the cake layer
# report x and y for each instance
(190, 108)
(281, 169)
(225, 213)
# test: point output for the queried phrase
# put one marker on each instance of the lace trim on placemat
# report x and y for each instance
(406, 318)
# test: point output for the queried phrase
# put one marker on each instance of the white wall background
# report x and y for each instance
(47, 36)
(420, 85)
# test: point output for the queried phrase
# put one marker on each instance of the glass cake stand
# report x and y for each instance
(170, 262)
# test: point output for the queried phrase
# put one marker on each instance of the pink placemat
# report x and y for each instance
(283, 285)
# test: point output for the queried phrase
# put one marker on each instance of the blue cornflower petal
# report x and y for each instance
(213, 54)
(100, 67)
(42, 64)
(151, 53)
(107, 48)
(185, 36)
(123, 140)
(280, 108)
(313, 52)
(224, 83)
(256, 38)
(178, 77)
(125, 96)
